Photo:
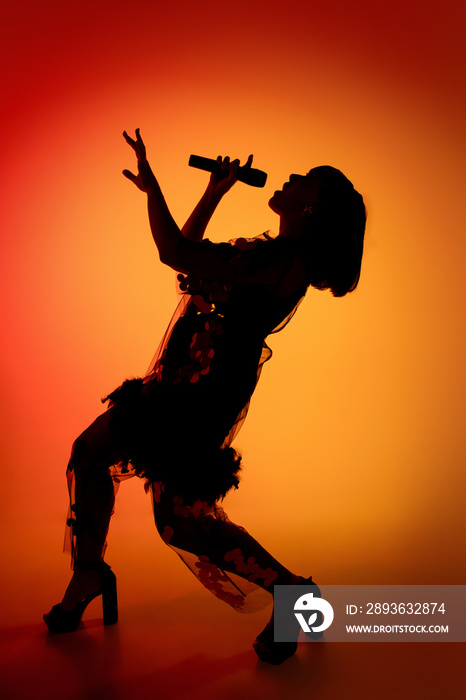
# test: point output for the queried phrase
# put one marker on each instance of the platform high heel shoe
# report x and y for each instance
(60, 620)
(277, 652)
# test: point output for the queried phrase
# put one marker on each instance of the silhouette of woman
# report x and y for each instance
(174, 427)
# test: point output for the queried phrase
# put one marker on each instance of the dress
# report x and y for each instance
(175, 426)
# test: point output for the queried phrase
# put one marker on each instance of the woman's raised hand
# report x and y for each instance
(145, 179)
(219, 185)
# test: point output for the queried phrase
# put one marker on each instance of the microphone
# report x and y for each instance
(250, 176)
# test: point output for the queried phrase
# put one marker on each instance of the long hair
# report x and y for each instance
(336, 233)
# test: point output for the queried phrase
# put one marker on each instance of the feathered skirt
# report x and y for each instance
(163, 442)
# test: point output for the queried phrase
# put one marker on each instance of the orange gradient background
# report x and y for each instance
(354, 445)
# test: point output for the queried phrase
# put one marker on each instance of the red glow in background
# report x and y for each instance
(354, 444)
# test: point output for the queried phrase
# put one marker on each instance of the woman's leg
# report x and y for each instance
(218, 541)
(231, 547)
(92, 497)
(221, 547)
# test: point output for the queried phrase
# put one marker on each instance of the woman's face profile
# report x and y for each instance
(298, 192)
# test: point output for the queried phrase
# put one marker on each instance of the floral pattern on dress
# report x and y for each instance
(167, 534)
(205, 295)
(212, 578)
(250, 569)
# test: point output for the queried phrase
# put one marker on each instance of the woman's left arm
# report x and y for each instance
(165, 231)
(175, 249)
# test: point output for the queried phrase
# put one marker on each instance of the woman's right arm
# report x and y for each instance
(196, 225)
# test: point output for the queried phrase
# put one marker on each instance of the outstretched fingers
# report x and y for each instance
(140, 143)
(131, 176)
(145, 177)
(137, 145)
(129, 140)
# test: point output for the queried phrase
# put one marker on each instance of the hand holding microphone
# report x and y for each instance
(246, 174)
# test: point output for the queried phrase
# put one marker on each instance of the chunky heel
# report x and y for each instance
(109, 599)
(59, 620)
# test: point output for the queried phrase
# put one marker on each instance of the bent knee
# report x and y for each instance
(80, 454)
(95, 445)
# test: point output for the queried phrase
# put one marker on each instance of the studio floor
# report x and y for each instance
(194, 647)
